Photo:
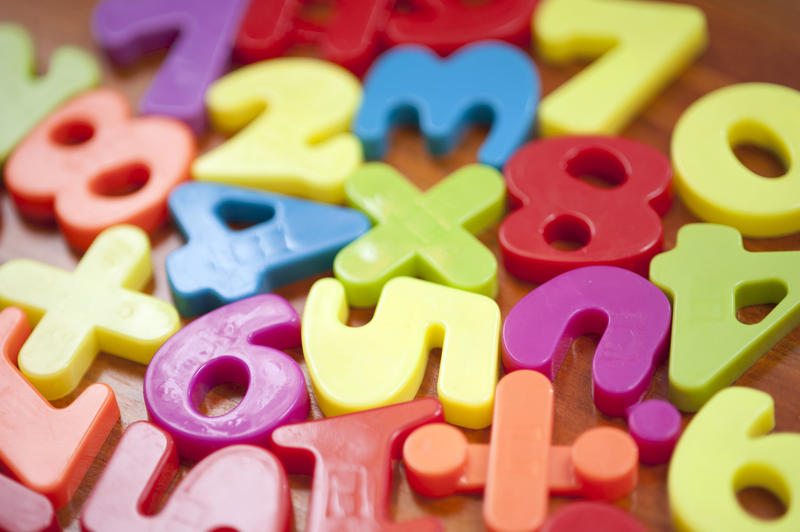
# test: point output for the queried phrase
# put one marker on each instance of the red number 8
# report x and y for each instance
(619, 226)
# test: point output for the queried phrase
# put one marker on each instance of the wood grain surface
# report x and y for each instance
(750, 40)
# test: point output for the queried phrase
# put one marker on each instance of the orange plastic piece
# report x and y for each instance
(45, 448)
(91, 166)
(519, 469)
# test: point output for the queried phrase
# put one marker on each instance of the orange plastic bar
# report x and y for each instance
(45, 448)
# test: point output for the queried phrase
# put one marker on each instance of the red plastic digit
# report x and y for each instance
(592, 517)
(350, 36)
(445, 25)
(45, 448)
(24, 510)
(617, 226)
(351, 460)
(92, 166)
(241, 487)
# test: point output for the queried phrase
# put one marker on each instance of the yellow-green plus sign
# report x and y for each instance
(97, 307)
(427, 235)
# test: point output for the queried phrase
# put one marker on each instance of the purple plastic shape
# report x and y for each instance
(200, 35)
(631, 313)
(235, 343)
(655, 426)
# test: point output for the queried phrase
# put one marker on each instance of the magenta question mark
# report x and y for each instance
(234, 343)
(632, 315)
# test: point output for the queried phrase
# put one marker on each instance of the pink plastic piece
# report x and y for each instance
(233, 343)
(592, 517)
(24, 510)
(656, 427)
(350, 457)
(240, 488)
(631, 313)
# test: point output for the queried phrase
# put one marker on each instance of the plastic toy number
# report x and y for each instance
(296, 114)
(643, 45)
(617, 226)
(90, 165)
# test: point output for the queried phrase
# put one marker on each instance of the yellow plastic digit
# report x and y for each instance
(298, 142)
(723, 450)
(383, 362)
(711, 180)
(643, 46)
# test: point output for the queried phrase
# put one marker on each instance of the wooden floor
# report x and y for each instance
(751, 40)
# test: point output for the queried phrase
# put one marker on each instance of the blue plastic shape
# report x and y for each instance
(484, 82)
(286, 239)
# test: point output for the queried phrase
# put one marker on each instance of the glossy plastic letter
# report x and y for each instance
(592, 517)
(236, 343)
(24, 99)
(429, 234)
(294, 115)
(724, 449)
(617, 226)
(47, 449)
(641, 46)
(709, 276)
(96, 308)
(242, 488)
(710, 179)
(383, 362)
(350, 458)
(128, 29)
(291, 239)
(90, 165)
(486, 81)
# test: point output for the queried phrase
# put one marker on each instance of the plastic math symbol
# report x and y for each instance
(349, 35)
(98, 307)
(294, 115)
(428, 234)
(236, 343)
(242, 488)
(350, 458)
(519, 469)
(25, 99)
(641, 46)
(617, 224)
(24, 510)
(200, 38)
(487, 81)
(47, 449)
(384, 361)
(290, 239)
(725, 449)
(91, 165)
(709, 276)
(719, 188)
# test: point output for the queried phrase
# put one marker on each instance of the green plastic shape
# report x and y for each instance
(25, 99)
(708, 277)
(725, 449)
(427, 235)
